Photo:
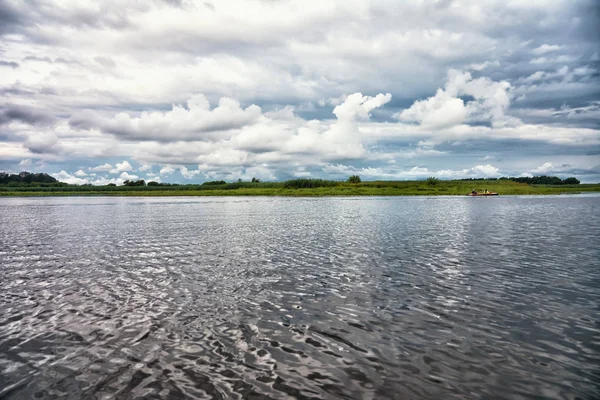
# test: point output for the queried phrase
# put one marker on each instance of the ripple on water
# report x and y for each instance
(306, 298)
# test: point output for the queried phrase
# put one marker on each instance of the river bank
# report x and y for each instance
(377, 188)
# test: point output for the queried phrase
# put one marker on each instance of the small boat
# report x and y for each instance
(483, 194)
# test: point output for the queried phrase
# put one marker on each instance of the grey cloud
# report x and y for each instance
(15, 90)
(584, 116)
(103, 16)
(43, 144)
(24, 114)
(177, 3)
(10, 18)
(105, 62)
(10, 64)
(58, 60)
(513, 147)
(196, 122)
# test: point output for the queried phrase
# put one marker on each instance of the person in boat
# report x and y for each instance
(485, 191)
(473, 191)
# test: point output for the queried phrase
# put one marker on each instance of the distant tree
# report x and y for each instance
(26, 177)
(240, 180)
(545, 180)
(354, 179)
(255, 180)
(111, 184)
(152, 183)
(141, 182)
(571, 181)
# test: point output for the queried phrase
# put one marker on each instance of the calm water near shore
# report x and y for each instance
(359, 298)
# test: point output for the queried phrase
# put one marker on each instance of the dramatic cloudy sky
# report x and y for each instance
(187, 91)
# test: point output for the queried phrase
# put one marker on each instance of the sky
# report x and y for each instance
(191, 91)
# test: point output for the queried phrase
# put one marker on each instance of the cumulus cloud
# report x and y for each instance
(128, 176)
(102, 168)
(181, 123)
(166, 170)
(42, 142)
(188, 174)
(544, 168)
(64, 176)
(440, 111)
(447, 109)
(121, 167)
(80, 173)
(145, 167)
(356, 106)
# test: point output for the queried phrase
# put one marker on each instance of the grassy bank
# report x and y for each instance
(377, 188)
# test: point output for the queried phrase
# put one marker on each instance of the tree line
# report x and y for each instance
(533, 180)
(26, 177)
(43, 179)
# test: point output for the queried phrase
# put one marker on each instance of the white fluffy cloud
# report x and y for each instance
(440, 111)
(188, 174)
(127, 176)
(102, 168)
(121, 167)
(447, 109)
(181, 123)
(64, 176)
(166, 170)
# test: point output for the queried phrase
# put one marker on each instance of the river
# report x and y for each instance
(325, 298)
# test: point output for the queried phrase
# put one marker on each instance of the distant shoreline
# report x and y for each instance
(406, 188)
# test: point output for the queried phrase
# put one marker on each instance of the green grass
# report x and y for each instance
(328, 188)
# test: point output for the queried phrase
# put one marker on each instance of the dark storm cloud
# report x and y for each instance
(24, 114)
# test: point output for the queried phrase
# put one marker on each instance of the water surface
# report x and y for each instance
(362, 298)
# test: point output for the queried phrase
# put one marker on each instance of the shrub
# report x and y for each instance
(432, 181)
(214, 183)
(354, 179)
(303, 183)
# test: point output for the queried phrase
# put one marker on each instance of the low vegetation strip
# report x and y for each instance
(304, 187)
